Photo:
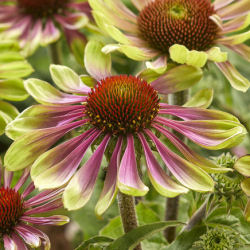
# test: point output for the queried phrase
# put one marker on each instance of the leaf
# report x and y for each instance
(129, 240)
(186, 239)
(97, 239)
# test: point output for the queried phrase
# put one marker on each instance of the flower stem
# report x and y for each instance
(126, 205)
(172, 204)
(55, 53)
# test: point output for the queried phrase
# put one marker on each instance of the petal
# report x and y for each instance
(31, 239)
(12, 89)
(129, 181)
(189, 114)
(191, 155)
(55, 167)
(210, 134)
(96, 62)
(185, 172)
(50, 33)
(73, 21)
(218, 4)
(22, 179)
(247, 211)
(9, 243)
(237, 81)
(202, 99)
(8, 176)
(43, 236)
(140, 4)
(245, 185)
(45, 93)
(236, 24)
(67, 80)
(234, 39)
(180, 54)
(41, 116)
(242, 165)
(19, 243)
(57, 220)
(160, 180)
(81, 186)
(241, 49)
(215, 54)
(23, 152)
(238, 8)
(110, 184)
(177, 79)
(159, 65)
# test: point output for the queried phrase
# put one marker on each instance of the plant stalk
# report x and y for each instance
(126, 205)
(55, 53)
(172, 204)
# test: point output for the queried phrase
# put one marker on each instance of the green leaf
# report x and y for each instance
(129, 240)
(186, 239)
(97, 239)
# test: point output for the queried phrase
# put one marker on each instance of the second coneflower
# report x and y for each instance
(120, 116)
(185, 31)
(41, 22)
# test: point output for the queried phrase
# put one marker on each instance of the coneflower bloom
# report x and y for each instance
(120, 117)
(242, 165)
(41, 22)
(186, 31)
(19, 211)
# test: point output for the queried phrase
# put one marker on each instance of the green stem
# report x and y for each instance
(172, 204)
(126, 205)
(55, 53)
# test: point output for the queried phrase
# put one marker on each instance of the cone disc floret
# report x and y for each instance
(11, 209)
(40, 8)
(122, 104)
(163, 23)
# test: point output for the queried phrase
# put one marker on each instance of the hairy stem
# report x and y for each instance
(172, 204)
(55, 53)
(126, 205)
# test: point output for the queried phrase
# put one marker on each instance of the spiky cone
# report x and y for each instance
(42, 22)
(20, 212)
(186, 31)
(242, 165)
(120, 116)
(13, 66)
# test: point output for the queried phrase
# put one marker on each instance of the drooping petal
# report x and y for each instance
(221, 3)
(31, 239)
(242, 165)
(160, 180)
(185, 172)
(34, 231)
(245, 185)
(96, 62)
(241, 49)
(189, 114)
(73, 21)
(9, 243)
(159, 65)
(177, 79)
(58, 220)
(238, 8)
(50, 33)
(110, 184)
(129, 181)
(140, 4)
(45, 93)
(234, 39)
(67, 80)
(22, 179)
(19, 243)
(211, 134)
(23, 152)
(55, 167)
(8, 176)
(191, 155)
(41, 116)
(236, 24)
(81, 186)
(237, 81)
